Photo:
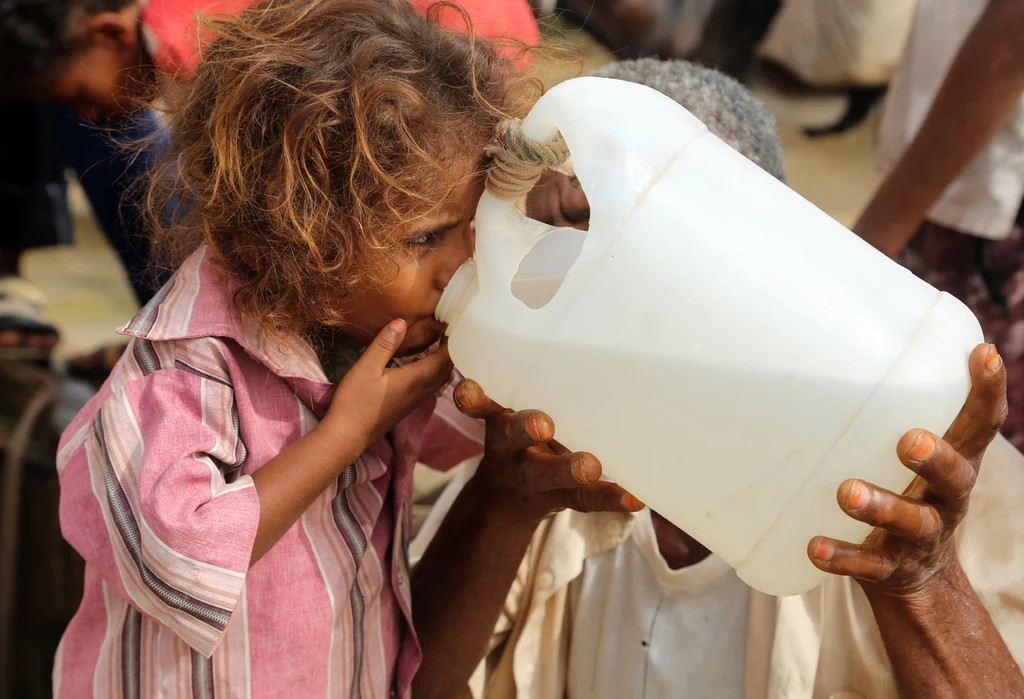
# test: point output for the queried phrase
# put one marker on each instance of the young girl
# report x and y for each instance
(243, 519)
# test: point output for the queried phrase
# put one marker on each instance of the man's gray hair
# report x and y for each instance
(729, 110)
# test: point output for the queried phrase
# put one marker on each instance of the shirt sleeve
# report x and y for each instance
(151, 496)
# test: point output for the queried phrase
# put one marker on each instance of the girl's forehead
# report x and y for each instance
(454, 205)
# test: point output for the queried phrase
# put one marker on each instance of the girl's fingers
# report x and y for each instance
(428, 370)
(471, 400)
(599, 497)
(383, 348)
(984, 413)
(545, 472)
(843, 558)
(903, 517)
(950, 477)
(424, 377)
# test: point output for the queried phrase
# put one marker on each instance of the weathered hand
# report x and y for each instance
(557, 202)
(913, 538)
(526, 470)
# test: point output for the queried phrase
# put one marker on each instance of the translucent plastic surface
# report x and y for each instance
(728, 351)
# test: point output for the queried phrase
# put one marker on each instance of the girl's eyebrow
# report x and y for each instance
(435, 227)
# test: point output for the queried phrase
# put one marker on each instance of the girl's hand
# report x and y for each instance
(913, 540)
(525, 470)
(372, 398)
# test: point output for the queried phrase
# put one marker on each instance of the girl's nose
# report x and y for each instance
(451, 262)
(451, 259)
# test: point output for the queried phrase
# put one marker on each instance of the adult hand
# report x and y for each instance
(558, 202)
(913, 538)
(526, 470)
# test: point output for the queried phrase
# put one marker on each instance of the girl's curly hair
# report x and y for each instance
(311, 132)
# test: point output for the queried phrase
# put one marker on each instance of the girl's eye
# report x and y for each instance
(424, 239)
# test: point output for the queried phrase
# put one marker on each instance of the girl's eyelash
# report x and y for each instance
(426, 238)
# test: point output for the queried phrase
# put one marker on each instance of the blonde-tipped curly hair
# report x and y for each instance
(311, 132)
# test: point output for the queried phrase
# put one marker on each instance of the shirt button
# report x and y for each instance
(546, 580)
(613, 528)
(401, 576)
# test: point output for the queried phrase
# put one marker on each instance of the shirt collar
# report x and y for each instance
(199, 302)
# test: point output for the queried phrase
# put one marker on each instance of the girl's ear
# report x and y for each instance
(246, 252)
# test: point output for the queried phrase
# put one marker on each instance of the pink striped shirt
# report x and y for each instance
(157, 496)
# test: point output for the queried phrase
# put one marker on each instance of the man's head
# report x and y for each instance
(85, 53)
(729, 110)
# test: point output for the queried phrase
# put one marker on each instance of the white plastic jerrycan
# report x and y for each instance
(729, 352)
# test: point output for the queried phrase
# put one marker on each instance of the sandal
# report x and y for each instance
(21, 316)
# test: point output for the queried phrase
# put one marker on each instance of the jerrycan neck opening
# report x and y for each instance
(460, 291)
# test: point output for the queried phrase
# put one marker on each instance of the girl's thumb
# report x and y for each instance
(385, 345)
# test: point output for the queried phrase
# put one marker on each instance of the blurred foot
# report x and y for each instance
(21, 316)
(96, 366)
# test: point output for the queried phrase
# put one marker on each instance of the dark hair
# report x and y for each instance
(36, 38)
(311, 132)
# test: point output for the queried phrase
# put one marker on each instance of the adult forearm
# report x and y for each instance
(981, 91)
(459, 588)
(941, 642)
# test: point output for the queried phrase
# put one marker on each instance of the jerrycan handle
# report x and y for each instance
(508, 236)
(622, 136)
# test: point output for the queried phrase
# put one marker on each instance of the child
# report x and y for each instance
(242, 518)
(77, 64)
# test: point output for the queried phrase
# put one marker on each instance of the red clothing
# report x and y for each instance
(171, 25)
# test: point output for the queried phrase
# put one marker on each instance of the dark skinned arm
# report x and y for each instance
(461, 582)
(940, 640)
(979, 94)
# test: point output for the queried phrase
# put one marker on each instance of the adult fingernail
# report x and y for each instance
(537, 427)
(532, 428)
(824, 550)
(923, 448)
(579, 470)
(993, 360)
(859, 496)
(631, 503)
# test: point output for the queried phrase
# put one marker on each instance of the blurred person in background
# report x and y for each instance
(952, 141)
(849, 47)
(721, 34)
